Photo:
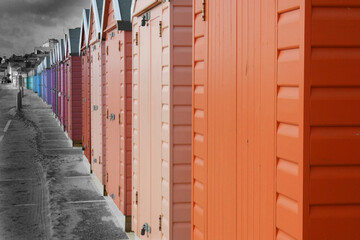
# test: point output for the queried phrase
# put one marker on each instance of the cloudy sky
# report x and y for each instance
(25, 24)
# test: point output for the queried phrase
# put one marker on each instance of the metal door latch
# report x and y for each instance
(112, 116)
(145, 228)
(145, 19)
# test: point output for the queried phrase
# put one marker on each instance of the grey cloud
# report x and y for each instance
(6, 43)
(42, 7)
(29, 23)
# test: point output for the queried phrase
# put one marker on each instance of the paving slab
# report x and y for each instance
(89, 221)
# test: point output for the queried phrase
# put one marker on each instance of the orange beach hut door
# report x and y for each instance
(150, 128)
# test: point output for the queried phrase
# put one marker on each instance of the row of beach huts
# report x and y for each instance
(213, 119)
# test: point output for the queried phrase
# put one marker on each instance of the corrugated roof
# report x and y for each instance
(87, 14)
(73, 40)
(47, 62)
(125, 9)
(62, 47)
(100, 4)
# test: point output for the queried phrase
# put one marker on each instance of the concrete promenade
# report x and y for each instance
(46, 190)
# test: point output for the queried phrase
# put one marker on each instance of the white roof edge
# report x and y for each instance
(102, 19)
(94, 8)
(81, 31)
(84, 24)
(65, 45)
(69, 44)
(61, 49)
(57, 52)
(117, 10)
(132, 9)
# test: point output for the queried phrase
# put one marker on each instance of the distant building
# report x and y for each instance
(46, 47)
(23, 65)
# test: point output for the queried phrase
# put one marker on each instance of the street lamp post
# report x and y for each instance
(20, 93)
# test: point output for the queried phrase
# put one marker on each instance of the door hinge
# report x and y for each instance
(160, 28)
(136, 38)
(107, 113)
(203, 10)
(107, 177)
(119, 191)
(119, 46)
(160, 222)
(107, 50)
(99, 160)
(136, 198)
(119, 119)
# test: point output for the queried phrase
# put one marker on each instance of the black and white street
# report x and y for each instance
(46, 190)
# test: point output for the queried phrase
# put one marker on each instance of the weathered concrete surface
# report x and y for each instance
(45, 190)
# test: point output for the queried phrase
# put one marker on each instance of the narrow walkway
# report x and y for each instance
(46, 191)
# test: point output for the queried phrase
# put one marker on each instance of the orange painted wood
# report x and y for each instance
(84, 51)
(162, 119)
(275, 121)
(118, 52)
(74, 98)
(86, 97)
(142, 6)
(332, 120)
(234, 120)
(98, 95)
